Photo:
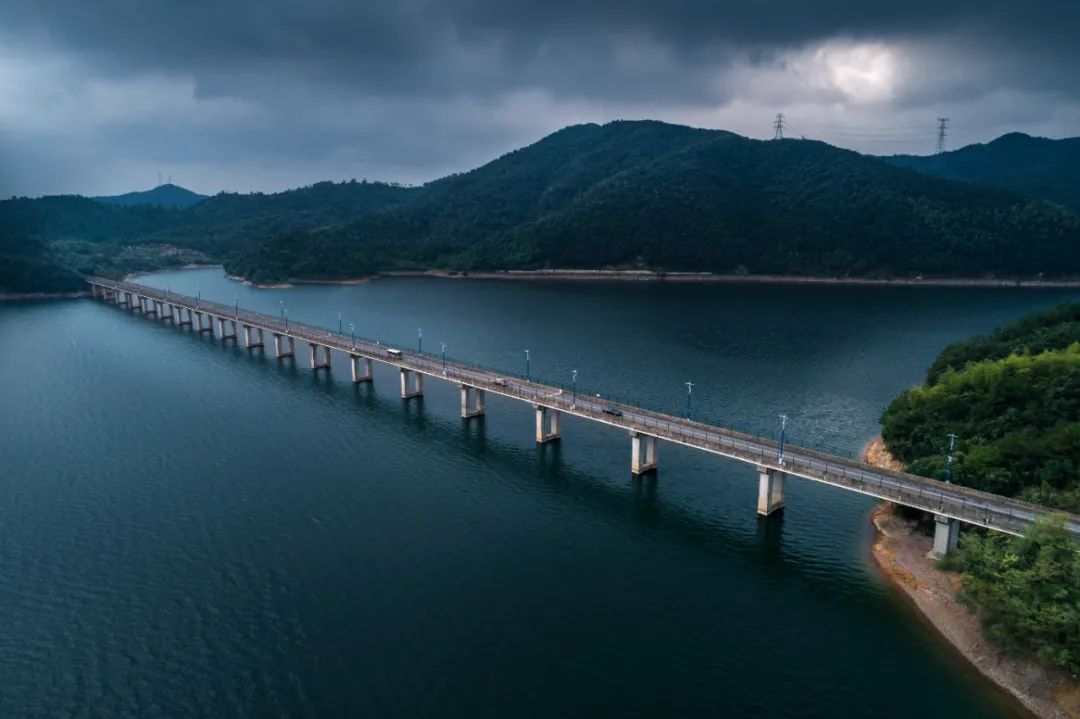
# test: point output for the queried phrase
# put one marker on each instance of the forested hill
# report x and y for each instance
(1031, 166)
(27, 267)
(167, 195)
(639, 194)
(649, 194)
(1011, 399)
(72, 233)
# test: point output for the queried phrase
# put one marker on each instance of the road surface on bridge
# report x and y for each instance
(947, 500)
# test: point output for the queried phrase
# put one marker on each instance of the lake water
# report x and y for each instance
(191, 529)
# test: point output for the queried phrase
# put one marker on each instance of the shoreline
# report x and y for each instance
(900, 552)
(709, 277)
(189, 266)
(570, 275)
(564, 275)
(25, 296)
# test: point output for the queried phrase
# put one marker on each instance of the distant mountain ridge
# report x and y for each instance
(647, 194)
(167, 195)
(1030, 166)
(626, 194)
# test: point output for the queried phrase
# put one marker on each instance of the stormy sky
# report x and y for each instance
(99, 97)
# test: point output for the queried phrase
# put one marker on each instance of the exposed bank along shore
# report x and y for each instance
(900, 550)
(680, 277)
(609, 276)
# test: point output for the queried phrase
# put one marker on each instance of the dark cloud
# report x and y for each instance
(271, 93)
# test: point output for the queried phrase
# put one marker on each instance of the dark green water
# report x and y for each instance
(188, 529)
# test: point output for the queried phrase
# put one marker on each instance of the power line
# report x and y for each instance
(863, 128)
(943, 123)
(778, 127)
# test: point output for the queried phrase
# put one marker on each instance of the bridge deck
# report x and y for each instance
(968, 505)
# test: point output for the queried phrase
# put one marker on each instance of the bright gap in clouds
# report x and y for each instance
(851, 73)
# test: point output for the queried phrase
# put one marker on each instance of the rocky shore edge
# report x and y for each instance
(900, 551)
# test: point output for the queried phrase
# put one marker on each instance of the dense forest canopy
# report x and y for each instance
(1012, 398)
(636, 194)
(1027, 592)
(1030, 166)
(644, 194)
(25, 267)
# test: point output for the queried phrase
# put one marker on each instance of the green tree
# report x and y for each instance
(1027, 590)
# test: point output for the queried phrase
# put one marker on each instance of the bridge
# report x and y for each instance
(950, 504)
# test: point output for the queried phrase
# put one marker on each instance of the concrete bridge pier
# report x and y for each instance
(547, 424)
(472, 402)
(642, 453)
(946, 535)
(313, 356)
(291, 352)
(151, 306)
(417, 384)
(208, 327)
(253, 332)
(770, 491)
(222, 334)
(180, 312)
(368, 374)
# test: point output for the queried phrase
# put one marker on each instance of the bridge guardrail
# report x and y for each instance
(930, 495)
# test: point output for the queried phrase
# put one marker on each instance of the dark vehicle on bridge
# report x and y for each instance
(613, 411)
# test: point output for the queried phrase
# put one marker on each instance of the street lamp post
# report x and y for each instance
(527, 357)
(444, 358)
(689, 391)
(573, 378)
(783, 428)
(285, 316)
(339, 324)
(236, 305)
(198, 294)
(948, 461)
(419, 340)
(352, 333)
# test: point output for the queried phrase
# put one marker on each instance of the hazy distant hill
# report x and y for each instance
(1032, 166)
(668, 197)
(167, 195)
(94, 237)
